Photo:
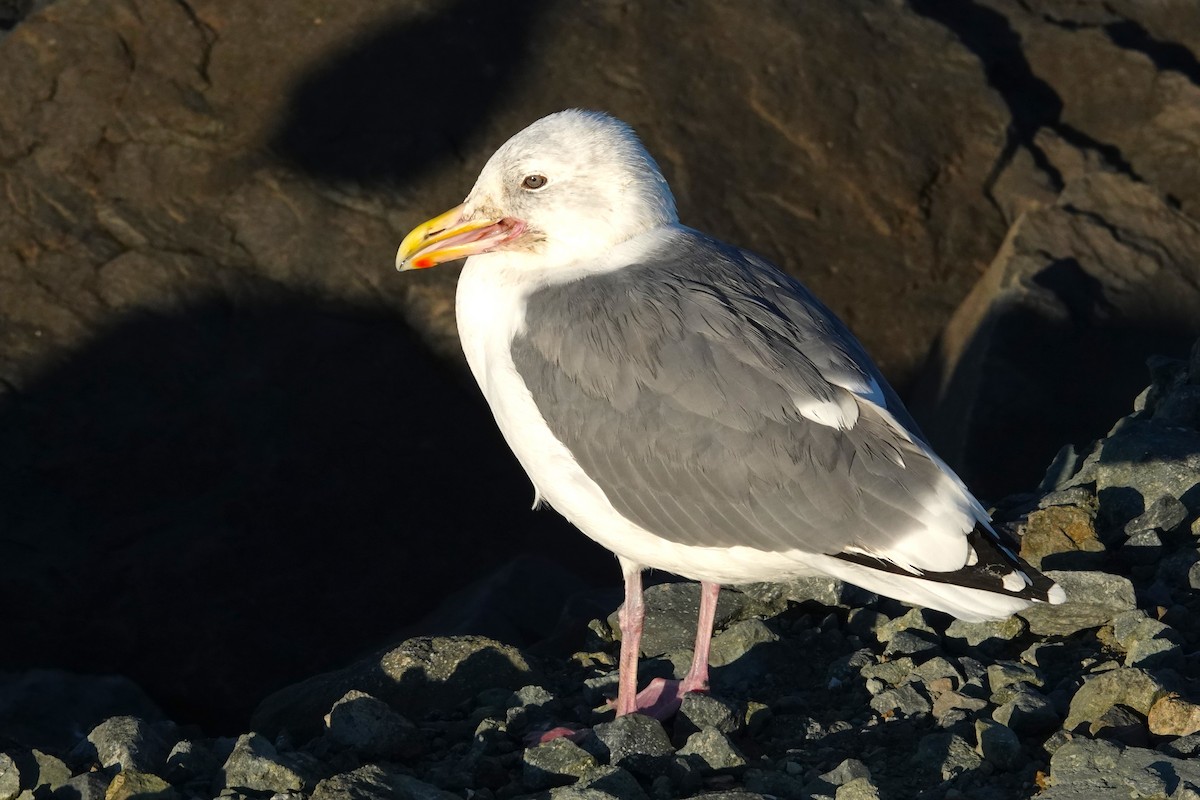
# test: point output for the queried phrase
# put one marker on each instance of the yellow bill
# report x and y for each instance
(449, 237)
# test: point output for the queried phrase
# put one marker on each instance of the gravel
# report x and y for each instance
(813, 696)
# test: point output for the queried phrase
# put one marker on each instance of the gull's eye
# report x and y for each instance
(534, 182)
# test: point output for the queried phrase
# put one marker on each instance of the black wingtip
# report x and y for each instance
(996, 568)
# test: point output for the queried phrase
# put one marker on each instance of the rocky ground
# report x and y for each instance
(820, 689)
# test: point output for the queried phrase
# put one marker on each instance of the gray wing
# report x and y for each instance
(676, 384)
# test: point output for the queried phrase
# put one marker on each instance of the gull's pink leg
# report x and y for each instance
(697, 678)
(631, 618)
(661, 698)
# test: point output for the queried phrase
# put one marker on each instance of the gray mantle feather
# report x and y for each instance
(672, 382)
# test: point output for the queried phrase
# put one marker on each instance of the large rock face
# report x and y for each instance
(1051, 343)
(209, 149)
(1102, 156)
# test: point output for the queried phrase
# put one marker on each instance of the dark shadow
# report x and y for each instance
(1043, 374)
(399, 103)
(1165, 55)
(219, 502)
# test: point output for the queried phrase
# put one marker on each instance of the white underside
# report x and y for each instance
(491, 310)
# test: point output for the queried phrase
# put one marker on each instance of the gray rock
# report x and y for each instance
(88, 786)
(1142, 548)
(530, 696)
(1163, 516)
(735, 641)
(556, 763)
(130, 784)
(714, 751)
(817, 588)
(637, 743)
(946, 703)
(1084, 769)
(256, 766)
(858, 789)
(421, 674)
(128, 743)
(845, 772)
(998, 744)
(988, 637)
(600, 784)
(1183, 747)
(10, 778)
(1147, 642)
(671, 612)
(915, 619)
(865, 623)
(188, 760)
(1027, 713)
(911, 643)
(906, 700)
(1004, 674)
(51, 772)
(1126, 686)
(892, 673)
(370, 782)
(1093, 599)
(937, 668)
(946, 754)
(372, 729)
(700, 711)
(531, 706)
(1121, 724)
(1140, 462)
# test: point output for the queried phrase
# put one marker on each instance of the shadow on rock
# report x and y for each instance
(404, 100)
(220, 502)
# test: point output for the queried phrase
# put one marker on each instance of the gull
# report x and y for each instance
(688, 405)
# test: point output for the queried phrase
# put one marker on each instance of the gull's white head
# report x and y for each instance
(571, 186)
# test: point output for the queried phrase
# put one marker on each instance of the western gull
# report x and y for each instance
(688, 405)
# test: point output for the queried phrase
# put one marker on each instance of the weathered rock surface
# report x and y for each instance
(1050, 343)
(1087, 769)
(419, 675)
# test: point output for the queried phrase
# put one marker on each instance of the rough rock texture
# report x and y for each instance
(1049, 345)
(1085, 769)
(419, 675)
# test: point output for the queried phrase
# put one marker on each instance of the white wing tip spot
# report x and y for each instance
(1056, 595)
(1016, 581)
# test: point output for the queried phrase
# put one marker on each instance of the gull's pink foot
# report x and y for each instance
(534, 738)
(662, 698)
